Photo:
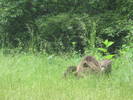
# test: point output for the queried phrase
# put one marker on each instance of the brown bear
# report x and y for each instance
(89, 64)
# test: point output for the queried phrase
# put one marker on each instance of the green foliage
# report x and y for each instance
(64, 32)
(93, 35)
(54, 25)
(107, 43)
(105, 51)
(127, 48)
(15, 17)
(115, 27)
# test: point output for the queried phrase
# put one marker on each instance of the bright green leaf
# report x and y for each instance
(102, 49)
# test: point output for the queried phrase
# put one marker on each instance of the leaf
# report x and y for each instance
(102, 49)
(108, 43)
(109, 56)
(73, 43)
(105, 42)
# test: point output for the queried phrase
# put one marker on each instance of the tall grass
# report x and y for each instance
(40, 77)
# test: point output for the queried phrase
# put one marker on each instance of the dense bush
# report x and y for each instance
(16, 17)
(65, 32)
(115, 28)
(64, 25)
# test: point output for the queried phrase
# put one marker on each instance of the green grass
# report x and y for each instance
(40, 77)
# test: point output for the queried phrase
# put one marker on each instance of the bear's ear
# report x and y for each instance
(105, 62)
(85, 65)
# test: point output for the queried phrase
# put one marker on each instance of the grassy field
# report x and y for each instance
(40, 77)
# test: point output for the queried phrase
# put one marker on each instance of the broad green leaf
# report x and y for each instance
(109, 56)
(102, 49)
(107, 43)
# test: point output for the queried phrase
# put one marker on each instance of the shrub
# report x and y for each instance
(114, 28)
(64, 32)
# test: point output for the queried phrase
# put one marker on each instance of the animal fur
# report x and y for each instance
(89, 64)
